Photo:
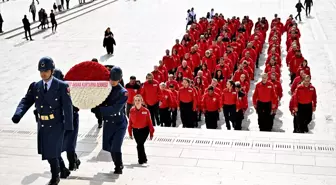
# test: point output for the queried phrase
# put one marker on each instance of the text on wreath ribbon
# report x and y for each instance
(84, 84)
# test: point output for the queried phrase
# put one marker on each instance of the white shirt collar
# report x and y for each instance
(48, 83)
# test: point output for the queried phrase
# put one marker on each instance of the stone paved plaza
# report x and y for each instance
(143, 30)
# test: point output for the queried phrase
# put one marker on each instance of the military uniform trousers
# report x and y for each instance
(113, 134)
(70, 137)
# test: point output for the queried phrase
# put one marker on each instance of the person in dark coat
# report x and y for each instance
(109, 41)
(51, 97)
(70, 137)
(53, 21)
(115, 121)
(1, 21)
(299, 8)
(308, 4)
(26, 26)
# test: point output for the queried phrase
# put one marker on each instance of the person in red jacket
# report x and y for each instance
(291, 109)
(297, 81)
(304, 100)
(196, 59)
(185, 70)
(305, 68)
(165, 105)
(295, 63)
(157, 74)
(140, 126)
(209, 61)
(162, 68)
(169, 62)
(186, 104)
(239, 72)
(277, 86)
(179, 48)
(211, 105)
(242, 105)
(264, 101)
(174, 105)
(245, 84)
(229, 100)
(152, 95)
(133, 89)
(172, 81)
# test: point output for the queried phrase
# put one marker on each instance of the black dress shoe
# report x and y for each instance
(74, 166)
(100, 125)
(54, 181)
(143, 162)
(118, 170)
(65, 173)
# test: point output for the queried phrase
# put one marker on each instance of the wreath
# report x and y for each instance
(89, 84)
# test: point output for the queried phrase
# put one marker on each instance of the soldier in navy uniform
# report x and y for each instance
(115, 122)
(55, 114)
(70, 138)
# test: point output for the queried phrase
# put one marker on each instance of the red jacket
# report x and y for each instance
(277, 75)
(179, 48)
(187, 72)
(167, 100)
(207, 75)
(277, 88)
(242, 103)
(229, 97)
(186, 95)
(140, 119)
(169, 62)
(151, 92)
(306, 70)
(253, 53)
(158, 76)
(132, 89)
(164, 72)
(174, 98)
(264, 93)
(210, 62)
(226, 71)
(174, 82)
(216, 50)
(297, 80)
(211, 102)
(305, 95)
(245, 85)
(291, 105)
(269, 67)
(238, 73)
(295, 63)
(196, 58)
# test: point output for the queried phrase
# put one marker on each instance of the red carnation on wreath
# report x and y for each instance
(89, 84)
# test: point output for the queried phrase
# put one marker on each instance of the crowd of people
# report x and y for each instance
(211, 68)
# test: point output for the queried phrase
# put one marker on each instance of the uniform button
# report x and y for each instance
(36, 97)
(106, 121)
(42, 125)
(50, 126)
(50, 107)
(56, 99)
(41, 106)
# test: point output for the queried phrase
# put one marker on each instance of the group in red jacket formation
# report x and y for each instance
(303, 101)
(211, 68)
